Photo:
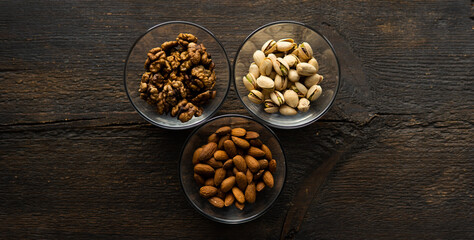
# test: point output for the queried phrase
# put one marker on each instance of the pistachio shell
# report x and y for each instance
(291, 59)
(313, 80)
(270, 106)
(277, 97)
(284, 45)
(287, 110)
(255, 96)
(315, 63)
(314, 92)
(249, 81)
(253, 69)
(266, 67)
(265, 82)
(305, 69)
(280, 82)
(293, 75)
(281, 67)
(258, 57)
(301, 89)
(272, 57)
(304, 51)
(291, 98)
(269, 46)
(303, 105)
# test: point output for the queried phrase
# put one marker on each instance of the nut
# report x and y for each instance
(249, 81)
(265, 82)
(223, 131)
(277, 97)
(216, 202)
(230, 148)
(303, 105)
(291, 59)
(281, 82)
(220, 155)
(252, 163)
(207, 191)
(258, 57)
(312, 80)
(268, 179)
(315, 63)
(219, 176)
(269, 46)
(213, 163)
(287, 110)
(291, 98)
(263, 163)
(238, 132)
(253, 69)
(302, 90)
(213, 138)
(256, 152)
(281, 67)
(204, 170)
(196, 154)
(238, 194)
(293, 75)
(251, 135)
(229, 199)
(241, 143)
(305, 52)
(272, 165)
(285, 45)
(250, 193)
(314, 92)
(305, 69)
(266, 67)
(249, 176)
(241, 180)
(260, 186)
(267, 151)
(228, 184)
(256, 96)
(207, 151)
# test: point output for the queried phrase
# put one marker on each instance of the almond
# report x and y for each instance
(239, 206)
(221, 155)
(263, 163)
(227, 184)
(219, 176)
(220, 145)
(230, 149)
(238, 132)
(208, 191)
(213, 138)
(272, 165)
(213, 163)
(196, 156)
(256, 152)
(199, 179)
(268, 153)
(235, 171)
(239, 163)
(268, 179)
(228, 164)
(241, 180)
(207, 151)
(256, 142)
(216, 202)
(223, 131)
(252, 163)
(229, 199)
(258, 175)
(238, 194)
(204, 170)
(251, 135)
(250, 193)
(241, 143)
(260, 186)
(209, 182)
(249, 176)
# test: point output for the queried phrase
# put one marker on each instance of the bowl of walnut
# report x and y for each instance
(176, 75)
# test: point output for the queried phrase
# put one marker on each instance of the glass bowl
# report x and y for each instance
(265, 198)
(323, 52)
(154, 37)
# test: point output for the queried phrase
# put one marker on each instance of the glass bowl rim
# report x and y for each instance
(326, 109)
(220, 220)
(164, 125)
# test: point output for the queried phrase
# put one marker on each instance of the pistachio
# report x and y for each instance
(266, 67)
(265, 82)
(302, 90)
(291, 59)
(281, 67)
(253, 69)
(314, 92)
(249, 81)
(287, 110)
(304, 51)
(305, 69)
(284, 45)
(277, 98)
(293, 75)
(281, 82)
(255, 96)
(303, 105)
(291, 98)
(272, 57)
(270, 106)
(269, 46)
(313, 80)
(258, 57)
(315, 63)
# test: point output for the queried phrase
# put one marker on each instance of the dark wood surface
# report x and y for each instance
(392, 159)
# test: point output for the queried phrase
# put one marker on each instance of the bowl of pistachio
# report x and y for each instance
(286, 74)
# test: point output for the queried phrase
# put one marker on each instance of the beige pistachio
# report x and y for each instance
(266, 67)
(293, 75)
(303, 105)
(314, 92)
(269, 46)
(284, 45)
(277, 97)
(255, 96)
(304, 51)
(287, 110)
(265, 82)
(313, 80)
(270, 106)
(305, 69)
(302, 90)
(253, 69)
(291, 98)
(281, 67)
(272, 57)
(315, 63)
(291, 59)
(280, 82)
(258, 57)
(249, 81)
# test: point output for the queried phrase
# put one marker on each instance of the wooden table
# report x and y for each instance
(392, 159)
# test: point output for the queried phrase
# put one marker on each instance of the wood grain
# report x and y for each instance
(77, 162)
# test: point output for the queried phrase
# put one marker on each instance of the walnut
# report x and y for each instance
(177, 109)
(194, 53)
(158, 55)
(202, 98)
(185, 38)
(168, 45)
(188, 111)
(207, 77)
(146, 77)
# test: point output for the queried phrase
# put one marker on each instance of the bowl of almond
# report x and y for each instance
(232, 169)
